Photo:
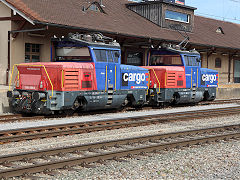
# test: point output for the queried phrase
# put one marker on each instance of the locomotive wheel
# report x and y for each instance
(125, 102)
(69, 112)
(206, 96)
(175, 98)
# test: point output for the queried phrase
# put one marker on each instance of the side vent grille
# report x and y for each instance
(171, 79)
(71, 80)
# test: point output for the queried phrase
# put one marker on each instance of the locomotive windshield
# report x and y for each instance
(165, 60)
(192, 61)
(103, 55)
(72, 54)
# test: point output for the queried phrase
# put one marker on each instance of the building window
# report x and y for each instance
(32, 52)
(94, 7)
(218, 63)
(176, 16)
(134, 58)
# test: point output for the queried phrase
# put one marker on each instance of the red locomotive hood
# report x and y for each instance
(59, 64)
(167, 68)
(47, 75)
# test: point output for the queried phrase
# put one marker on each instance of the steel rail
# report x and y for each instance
(15, 135)
(20, 117)
(192, 137)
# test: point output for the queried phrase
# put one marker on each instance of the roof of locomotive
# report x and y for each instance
(177, 51)
(89, 40)
(165, 68)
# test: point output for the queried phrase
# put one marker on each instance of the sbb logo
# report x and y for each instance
(209, 77)
(135, 77)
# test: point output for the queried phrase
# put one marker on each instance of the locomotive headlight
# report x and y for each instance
(17, 83)
(41, 85)
(155, 85)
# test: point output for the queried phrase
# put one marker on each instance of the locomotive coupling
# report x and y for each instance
(37, 96)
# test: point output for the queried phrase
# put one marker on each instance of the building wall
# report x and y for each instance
(18, 46)
(224, 70)
(5, 26)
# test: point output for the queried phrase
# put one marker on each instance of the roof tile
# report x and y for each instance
(119, 19)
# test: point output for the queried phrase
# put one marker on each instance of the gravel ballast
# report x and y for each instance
(215, 161)
(99, 117)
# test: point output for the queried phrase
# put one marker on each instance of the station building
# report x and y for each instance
(28, 26)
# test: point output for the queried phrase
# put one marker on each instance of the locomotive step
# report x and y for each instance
(109, 102)
(110, 86)
(110, 91)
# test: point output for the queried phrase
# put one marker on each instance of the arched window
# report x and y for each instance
(218, 63)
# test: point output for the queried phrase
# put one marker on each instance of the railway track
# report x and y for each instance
(25, 164)
(21, 134)
(220, 101)
(20, 117)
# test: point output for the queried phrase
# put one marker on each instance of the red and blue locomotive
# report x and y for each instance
(88, 75)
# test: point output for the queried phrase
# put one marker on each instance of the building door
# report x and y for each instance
(237, 71)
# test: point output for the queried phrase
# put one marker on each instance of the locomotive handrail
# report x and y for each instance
(35, 66)
(159, 84)
(197, 77)
(62, 78)
(115, 78)
(191, 79)
(106, 81)
(149, 77)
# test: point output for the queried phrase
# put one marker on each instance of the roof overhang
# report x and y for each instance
(17, 11)
(130, 35)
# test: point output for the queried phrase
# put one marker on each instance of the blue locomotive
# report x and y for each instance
(88, 75)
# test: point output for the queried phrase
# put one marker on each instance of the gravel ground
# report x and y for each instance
(214, 161)
(93, 137)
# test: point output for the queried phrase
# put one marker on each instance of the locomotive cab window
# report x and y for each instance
(72, 54)
(192, 61)
(116, 55)
(101, 55)
(165, 60)
(109, 56)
